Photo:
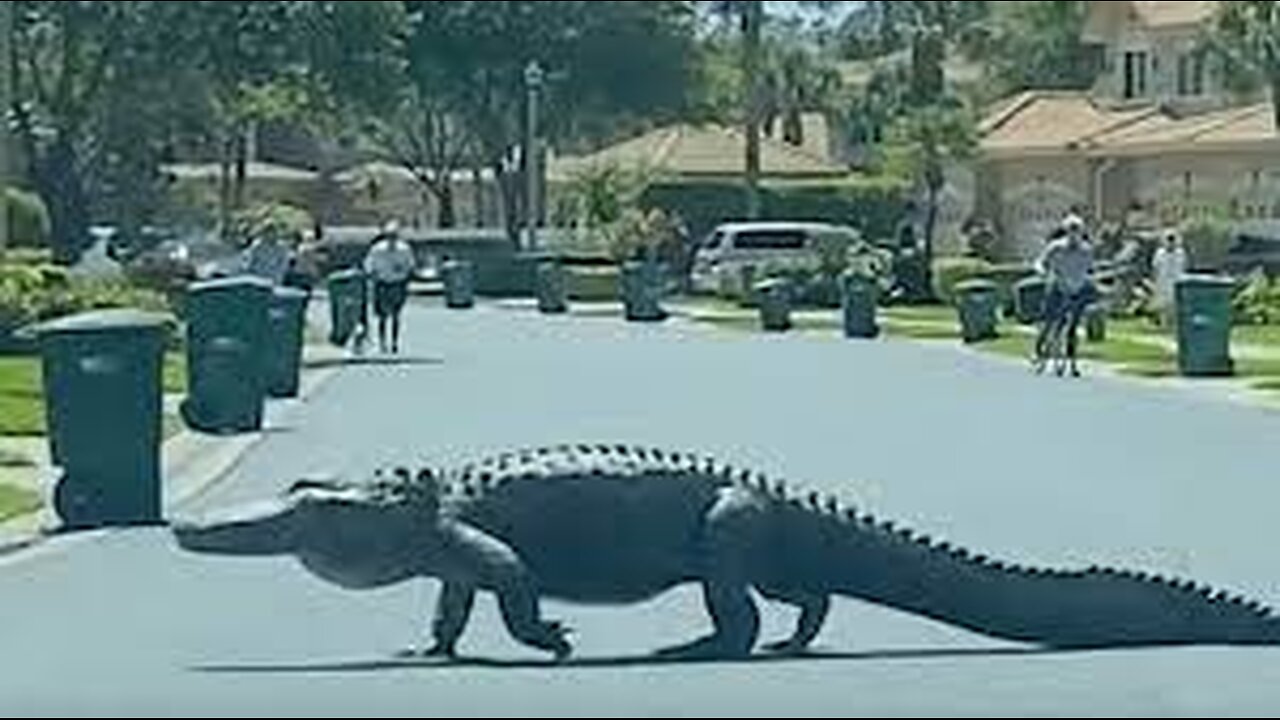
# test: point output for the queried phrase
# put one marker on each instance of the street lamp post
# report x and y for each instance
(6, 31)
(533, 77)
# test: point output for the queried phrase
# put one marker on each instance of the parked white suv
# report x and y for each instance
(720, 256)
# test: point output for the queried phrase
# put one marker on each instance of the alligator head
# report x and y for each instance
(352, 534)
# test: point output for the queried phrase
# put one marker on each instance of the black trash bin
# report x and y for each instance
(227, 327)
(553, 287)
(103, 398)
(348, 305)
(859, 293)
(641, 289)
(287, 321)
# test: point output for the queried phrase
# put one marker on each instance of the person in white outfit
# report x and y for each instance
(1167, 265)
(390, 264)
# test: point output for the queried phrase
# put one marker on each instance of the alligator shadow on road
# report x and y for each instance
(620, 661)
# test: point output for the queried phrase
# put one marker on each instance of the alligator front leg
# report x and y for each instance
(475, 559)
(453, 609)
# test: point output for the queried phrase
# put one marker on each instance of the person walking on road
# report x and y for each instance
(389, 265)
(1167, 266)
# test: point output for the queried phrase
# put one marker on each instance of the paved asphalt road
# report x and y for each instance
(969, 447)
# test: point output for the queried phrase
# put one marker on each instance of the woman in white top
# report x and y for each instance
(1167, 265)
(389, 265)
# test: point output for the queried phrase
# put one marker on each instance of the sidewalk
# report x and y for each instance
(191, 462)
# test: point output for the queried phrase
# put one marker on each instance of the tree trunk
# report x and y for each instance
(224, 187)
(62, 189)
(479, 210)
(1275, 96)
(445, 216)
(930, 221)
(241, 169)
(509, 195)
(752, 18)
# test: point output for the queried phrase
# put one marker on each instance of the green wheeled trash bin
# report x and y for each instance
(773, 295)
(553, 287)
(348, 305)
(227, 328)
(459, 284)
(1028, 299)
(641, 288)
(747, 297)
(977, 302)
(1204, 325)
(287, 321)
(859, 295)
(1095, 322)
(103, 396)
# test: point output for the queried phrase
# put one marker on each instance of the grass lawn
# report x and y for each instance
(22, 396)
(16, 501)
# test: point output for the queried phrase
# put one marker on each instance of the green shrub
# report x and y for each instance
(1257, 302)
(1207, 240)
(949, 271)
(873, 207)
(31, 294)
(285, 221)
(28, 218)
(26, 256)
(592, 283)
(1005, 276)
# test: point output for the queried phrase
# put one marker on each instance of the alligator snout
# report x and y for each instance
(258, 529)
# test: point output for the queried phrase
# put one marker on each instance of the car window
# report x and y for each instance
(769, 240)
(712, 241)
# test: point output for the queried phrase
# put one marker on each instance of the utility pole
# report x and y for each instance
(6, 101)
(752, 19)
(533, 77)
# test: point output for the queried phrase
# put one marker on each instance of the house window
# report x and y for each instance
(1191, 74)
(1135, 74)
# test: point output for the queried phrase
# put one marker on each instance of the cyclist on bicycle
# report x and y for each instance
(1066, 263)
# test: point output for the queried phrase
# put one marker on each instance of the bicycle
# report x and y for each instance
(1054, 349)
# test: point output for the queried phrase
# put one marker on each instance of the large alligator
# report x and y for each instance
(619, 524)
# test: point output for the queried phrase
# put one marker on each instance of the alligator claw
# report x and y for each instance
(785, 647)
(437, 650)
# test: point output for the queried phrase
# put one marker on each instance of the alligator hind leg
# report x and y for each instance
(813, 612)
(730, 526)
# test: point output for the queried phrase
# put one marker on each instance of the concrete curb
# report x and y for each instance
(192, 463)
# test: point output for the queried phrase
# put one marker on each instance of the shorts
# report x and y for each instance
(389, 297)
(1059, 303)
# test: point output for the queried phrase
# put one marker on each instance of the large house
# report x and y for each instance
(1158, 137)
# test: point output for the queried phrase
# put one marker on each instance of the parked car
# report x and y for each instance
(1249, 252)
(720, 256)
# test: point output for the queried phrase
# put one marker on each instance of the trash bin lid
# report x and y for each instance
(975, 285)
(346, 274)
(98, 321)
(290, 293)
(1206, 280)
(237, 281)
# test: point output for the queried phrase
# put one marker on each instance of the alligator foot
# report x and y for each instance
(435, 651)
(786, 647)
(711, 647)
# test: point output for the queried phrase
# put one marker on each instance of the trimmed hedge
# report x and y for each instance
(872, 206)
(951, 271)
(30, 294)
(28, 218)
(593, 283)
